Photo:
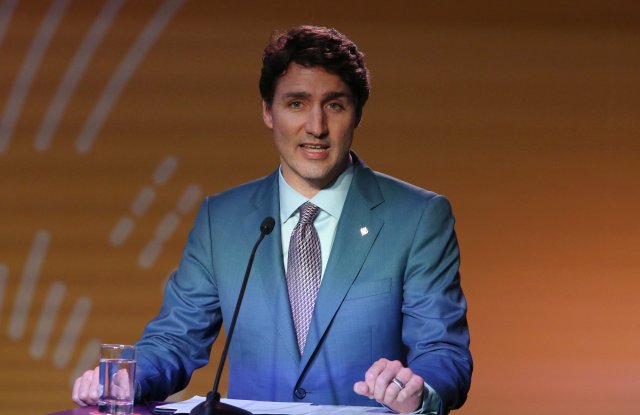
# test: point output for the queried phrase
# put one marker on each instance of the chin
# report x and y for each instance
(317, 175)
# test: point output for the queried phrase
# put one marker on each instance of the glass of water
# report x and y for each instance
(117, 379)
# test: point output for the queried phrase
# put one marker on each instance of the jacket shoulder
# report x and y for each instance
(396, 190)
(239, 195)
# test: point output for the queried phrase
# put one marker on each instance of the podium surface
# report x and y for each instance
(93, 410)
(255, 405)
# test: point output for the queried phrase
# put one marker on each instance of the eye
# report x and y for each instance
(336, 106)
(295, 104)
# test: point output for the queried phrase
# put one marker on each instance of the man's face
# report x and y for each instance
(312, 118)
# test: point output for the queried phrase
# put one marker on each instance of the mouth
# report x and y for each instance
(314, 148)
(315, 152)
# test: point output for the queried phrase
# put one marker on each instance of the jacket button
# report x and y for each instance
(300, 393)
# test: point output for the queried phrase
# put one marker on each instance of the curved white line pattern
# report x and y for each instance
(30, 276)
(168, 225)
(28, 69)
(123, 73)
(165, 170)
(189, 198)
(50, 309)
(71, 331)
(6, 11)
(121, 231)
(150, 253)
(139, 207)
(47, 319)
(74, 72)
(4, 276)
(143, 201)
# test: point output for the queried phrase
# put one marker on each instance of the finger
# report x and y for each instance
(371, 376)
(121, 386)
(88, 391)
(414, 387)
(121, 378)
(74, 392)
(94, 386)
(81, 388)
(383, 383)
(396, 389)
(361, 388)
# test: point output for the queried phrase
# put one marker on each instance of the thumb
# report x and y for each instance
(361, 388)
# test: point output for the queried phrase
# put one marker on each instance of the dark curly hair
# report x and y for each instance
(311, 46)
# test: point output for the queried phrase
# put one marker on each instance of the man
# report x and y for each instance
(385, 314)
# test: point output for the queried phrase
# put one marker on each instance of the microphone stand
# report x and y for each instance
(212, 405)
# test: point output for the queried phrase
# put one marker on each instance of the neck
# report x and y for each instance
(310, 187)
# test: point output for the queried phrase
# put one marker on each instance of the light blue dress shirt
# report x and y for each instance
(330, 200)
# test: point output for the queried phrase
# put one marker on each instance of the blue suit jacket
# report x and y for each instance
(392, 292)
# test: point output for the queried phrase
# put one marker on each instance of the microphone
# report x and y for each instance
(212, 405)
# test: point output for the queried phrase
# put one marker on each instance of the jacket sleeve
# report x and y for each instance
(178, 340)
(434, 307)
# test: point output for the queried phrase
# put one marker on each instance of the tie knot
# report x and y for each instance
(308, 213)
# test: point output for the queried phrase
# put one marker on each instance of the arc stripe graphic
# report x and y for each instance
(4, 276)
(165, 170)
(143, 201)
(71, 331)
(168, 225)
(121, 231)
(47, 319)
(150, 253)
(28, 69)
(189, 198)
(30, 276)
(6, 11)
(123, 73)
(74, 72)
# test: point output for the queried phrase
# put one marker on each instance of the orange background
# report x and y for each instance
(525, 114)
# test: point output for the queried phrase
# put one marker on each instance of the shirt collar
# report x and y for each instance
(330, 199)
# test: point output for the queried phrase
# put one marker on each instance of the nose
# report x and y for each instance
(317, 123)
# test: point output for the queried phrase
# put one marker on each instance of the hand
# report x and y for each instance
(85, 388)
(379, 385)
(120, 387)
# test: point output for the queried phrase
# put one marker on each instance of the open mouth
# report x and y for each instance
(314, 148)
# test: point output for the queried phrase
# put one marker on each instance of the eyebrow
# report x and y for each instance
(334, 95)
(297, 95)
(329, 96)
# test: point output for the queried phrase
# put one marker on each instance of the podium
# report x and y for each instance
(93, 410)
(317, 410)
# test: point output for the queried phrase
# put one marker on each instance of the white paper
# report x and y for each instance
(284, 408)
(255, 407)
(183, 407)
(263, 407)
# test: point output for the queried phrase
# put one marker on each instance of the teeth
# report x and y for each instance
(315, 149)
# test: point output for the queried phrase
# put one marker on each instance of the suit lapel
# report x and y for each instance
(268, 268)
(357, 230)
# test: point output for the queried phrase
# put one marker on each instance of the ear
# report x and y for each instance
(266, 115)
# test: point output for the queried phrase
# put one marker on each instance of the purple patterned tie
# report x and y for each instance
(304, 270)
